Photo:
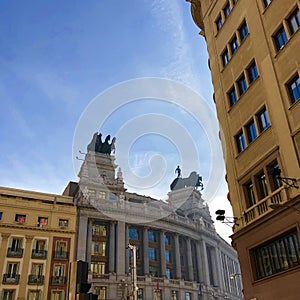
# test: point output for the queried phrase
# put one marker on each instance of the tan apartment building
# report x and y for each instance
(253, 48)
(37, 234)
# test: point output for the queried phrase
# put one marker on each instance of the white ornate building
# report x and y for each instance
(179, 253)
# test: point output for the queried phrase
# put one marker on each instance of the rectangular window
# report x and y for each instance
(240, 141)
(263, 120)
(294, 21)
(98, 267)
(280, 38)
(63, 223)
(167, 238)
(152, 253)
(243, 31)
(152, 236)
(15, 247)
(57, 295)
(242, 84)
(133, 234)
(20, 218)
(219, 22)
(227, 10)
(234, 44)
(250, 197)
(274, 173)
(42, 221)
(251, 131)
(8, 295)
(98, 248)
(267, 2)
(225, 57)
(252, 72)
(232, 96)
(101, 292)
(276, 256)
(1, 215)
(61, 248)
(293, 87)
(34, 295)
(99, 230)
(102, 195)
(262, 185)
(168, 256)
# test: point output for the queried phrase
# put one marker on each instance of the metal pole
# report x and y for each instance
(133, 272)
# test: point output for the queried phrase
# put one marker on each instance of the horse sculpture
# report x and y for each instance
(194, 180)
(98, 146)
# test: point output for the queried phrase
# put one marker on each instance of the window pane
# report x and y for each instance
(243, 31)
(252, 72)
(294, 21)
(280, 38)
(251, 131)
(225, 57)
(263, 120)
(242, 84)
(234, 45)
(294, 89)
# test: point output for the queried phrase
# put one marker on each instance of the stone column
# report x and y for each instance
(120, 249)
(162, 249)
(3, 251)
(145, 251)
(177, 256)
(199, 262)
(220, 281)
(112, 247)
(204, 262)
(189, 260)
(25, 267)
(89, 242)
(82, 236)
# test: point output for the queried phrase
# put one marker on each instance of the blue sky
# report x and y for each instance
(57, 57)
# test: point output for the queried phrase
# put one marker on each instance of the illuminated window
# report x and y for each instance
(98, 267)
(63, 223)
(101, 292)
(42, 221)
(20, 218)
(99, 230)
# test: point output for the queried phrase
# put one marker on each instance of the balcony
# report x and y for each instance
(35, 279)
(12, 252)
(61, 254)
(58, 280)
(261, 208)
(11, 278)
(42, 254)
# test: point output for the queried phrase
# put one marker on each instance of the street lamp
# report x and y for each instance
(233, 275)
(174, 297)
(280, 206)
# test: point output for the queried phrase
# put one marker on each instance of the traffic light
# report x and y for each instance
(220, 215)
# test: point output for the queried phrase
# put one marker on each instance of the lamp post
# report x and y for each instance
(133, 272)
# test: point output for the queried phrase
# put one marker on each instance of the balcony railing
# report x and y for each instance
(11, 278)
(61, 254)
(263, 206)
(12, 252)
(35, 279)
(42, 254)
(58, 280)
